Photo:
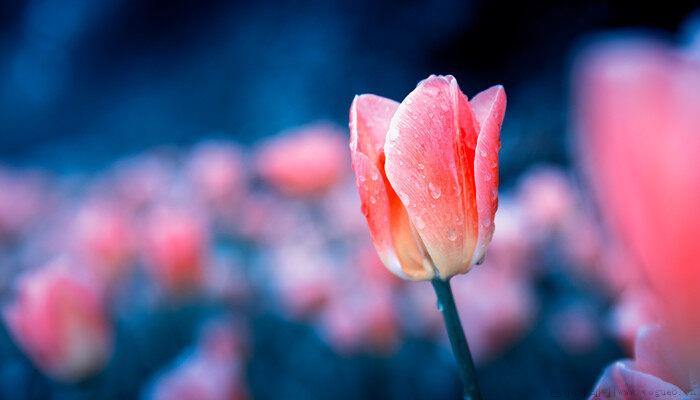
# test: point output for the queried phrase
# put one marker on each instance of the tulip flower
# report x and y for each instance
(303, 162)
(217, 173)
(59, 319)
(175, 247)
(427, 173)
(638, 123)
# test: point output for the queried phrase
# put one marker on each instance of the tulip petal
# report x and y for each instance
(386, 217)
(429, 162)
(489, 108)
(369, 121)
(622, 381)
(654, 355)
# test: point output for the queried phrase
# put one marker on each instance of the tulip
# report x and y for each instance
(58, 318)
(217, 173)
(638, 124)
(303, 162)
(427, 172)
(175, 248)
(104, 239)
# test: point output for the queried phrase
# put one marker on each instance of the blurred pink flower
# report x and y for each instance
(140, 180)
(362, 317)
(104, 238)
(218, 173)
(23, 199)
(492, 323)
(58, 317)
(638, 123)
(213, 370)
(175, 247)
(548, 199)
(654, 372)
(305, 161)
(304, 279)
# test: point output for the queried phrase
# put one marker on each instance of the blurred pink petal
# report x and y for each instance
(494, 322)
(548, 199)
(175, 247)
(638, 124)
(105, 238)
(218, 173)
(362, 318)
(306, 161)
(58, 318)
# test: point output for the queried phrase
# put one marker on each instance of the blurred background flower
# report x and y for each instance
(179, 219)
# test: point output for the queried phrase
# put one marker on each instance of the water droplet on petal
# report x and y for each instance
(372, 199)
(482, 152)
(435, 191)
(486, 222)
(451, 235)
(374, 176)
(361, 178)
(421, 166)
(404, 198)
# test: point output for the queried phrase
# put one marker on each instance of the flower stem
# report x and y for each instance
(460, 348)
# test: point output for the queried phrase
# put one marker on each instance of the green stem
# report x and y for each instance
(460, 348)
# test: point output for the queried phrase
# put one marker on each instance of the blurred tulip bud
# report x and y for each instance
(217, 171)
(105, 239)
(175, 248)
(362, 318)
(302, 162)
(548, 199)
(427, 173)
(58, 318)
(495, 322)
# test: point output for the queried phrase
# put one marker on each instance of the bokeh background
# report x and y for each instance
(181, 170)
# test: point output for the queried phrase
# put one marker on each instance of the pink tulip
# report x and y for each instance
(548, 199)
(58, 318)
(104, 238)
(217, 171)
(654, 372)
(638, 123)
(427, 172)
(175, 246)
(306, 161)
(494, 322)
(362, 318)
